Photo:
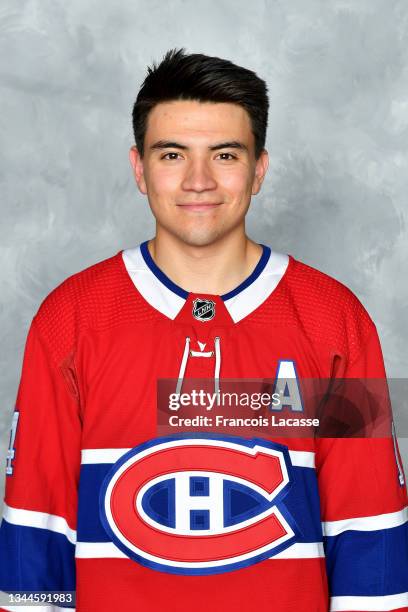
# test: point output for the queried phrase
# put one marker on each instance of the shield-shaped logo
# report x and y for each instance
(203, 310)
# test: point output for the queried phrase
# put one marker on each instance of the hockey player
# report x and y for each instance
(97, 502)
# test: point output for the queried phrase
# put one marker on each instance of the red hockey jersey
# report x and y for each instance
(102, 500)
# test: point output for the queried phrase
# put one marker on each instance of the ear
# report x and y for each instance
(261, 167)
(137, 165)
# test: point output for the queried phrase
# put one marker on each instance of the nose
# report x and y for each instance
(198, 177)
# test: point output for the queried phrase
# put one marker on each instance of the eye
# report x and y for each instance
(226, 156)
(172, 155)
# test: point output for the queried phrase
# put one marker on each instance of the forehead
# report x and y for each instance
(198, 121)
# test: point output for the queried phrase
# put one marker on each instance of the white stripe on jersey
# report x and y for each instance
(102, 455)
(306, 550)
(111, 455)
(366, 523)
(33, 518)
(108, 550)
(98, 550)
(33, 608)
(302, 458)
(370, 603)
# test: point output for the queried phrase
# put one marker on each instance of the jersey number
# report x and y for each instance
(11, 450)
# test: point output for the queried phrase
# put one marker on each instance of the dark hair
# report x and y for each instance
(206, 79)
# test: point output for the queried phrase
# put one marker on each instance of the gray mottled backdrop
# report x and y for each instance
(336, 193)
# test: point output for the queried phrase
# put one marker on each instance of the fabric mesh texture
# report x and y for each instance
(100, 297)
(323, 308)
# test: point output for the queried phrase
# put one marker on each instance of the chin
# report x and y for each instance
(199, 238)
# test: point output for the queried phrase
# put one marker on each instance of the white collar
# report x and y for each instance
(168, 298)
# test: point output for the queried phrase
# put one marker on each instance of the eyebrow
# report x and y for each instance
(169, 144)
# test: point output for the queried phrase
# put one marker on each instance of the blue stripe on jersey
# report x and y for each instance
(34, 559)
(302, 502)
(368, 562)
(89, 527)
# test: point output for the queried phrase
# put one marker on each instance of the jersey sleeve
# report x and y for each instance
(38, 529)
(364, 508)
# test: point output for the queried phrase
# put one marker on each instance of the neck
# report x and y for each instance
(214, 269)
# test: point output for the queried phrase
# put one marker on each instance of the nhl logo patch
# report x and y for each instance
(199, 504)
(203, 310)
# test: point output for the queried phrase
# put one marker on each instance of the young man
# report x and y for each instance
(96, 500)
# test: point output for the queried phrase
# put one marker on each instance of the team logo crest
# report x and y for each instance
(203, 310)
(200, 504)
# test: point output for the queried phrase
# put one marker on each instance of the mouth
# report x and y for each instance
(199, 206)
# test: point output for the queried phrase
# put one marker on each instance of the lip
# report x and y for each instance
(199, 205)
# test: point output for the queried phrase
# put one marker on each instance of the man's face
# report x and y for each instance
(199, 168)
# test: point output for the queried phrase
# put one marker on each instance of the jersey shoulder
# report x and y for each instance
(330, 310)
(320, 307)
(98, 297)
(321, 293)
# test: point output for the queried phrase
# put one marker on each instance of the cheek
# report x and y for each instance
(236, 182)
(163, 181)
